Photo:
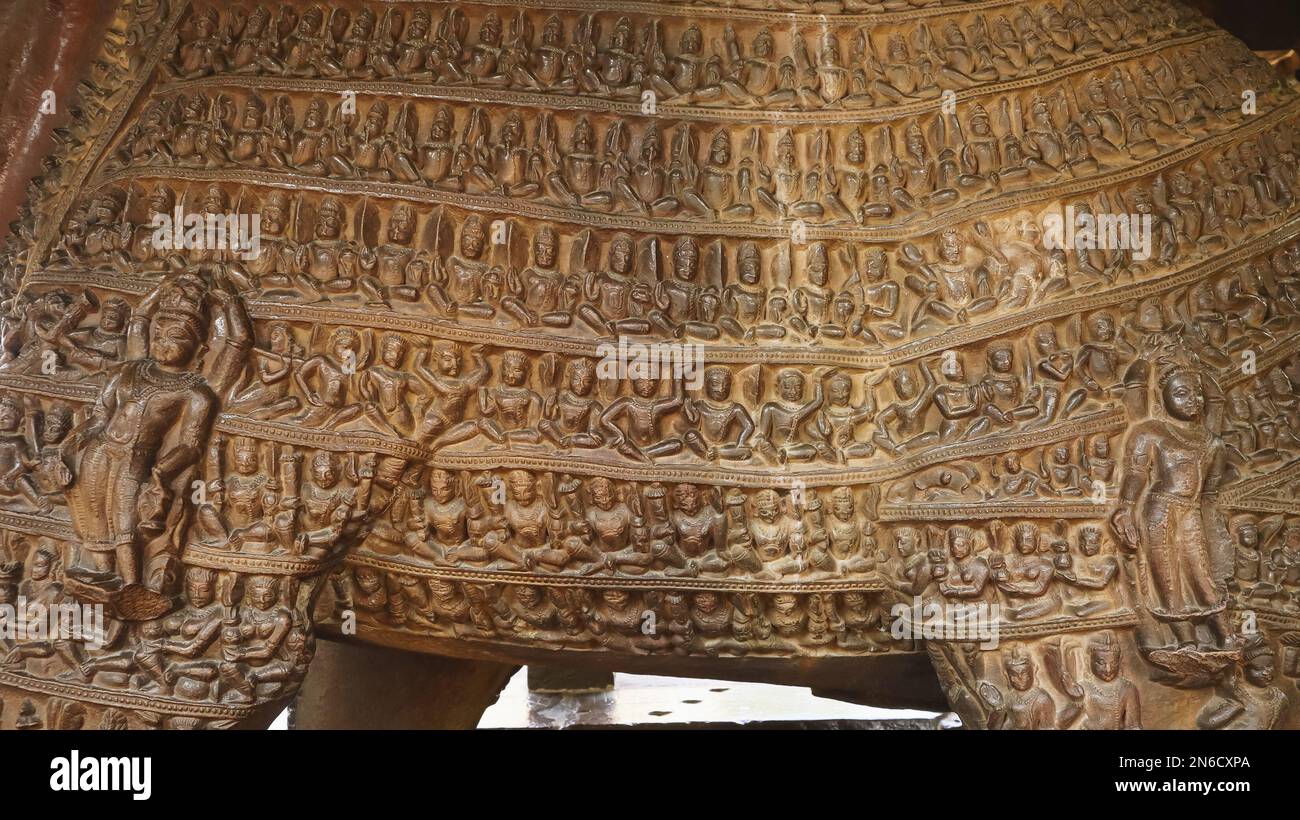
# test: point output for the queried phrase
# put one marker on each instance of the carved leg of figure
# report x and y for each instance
(355, 686)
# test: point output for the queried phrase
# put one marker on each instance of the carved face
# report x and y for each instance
(1001, 359)
(394, 351)
(1090, 541)
(686, 258)
(706, 602)
(523, 487)
(324, 471)
(766, 506)
(602, 493)
(1260, 669)
(842, 504)
(1045, 340)
(160, 200)
(327, 223)
(615, 598)
(528, 596)
(449, 360)
(1105, 661)
(514, 368)
(959, 545)
(953, 369)
(620, 254)
(905, 541)
(55, 427)
(544, 248)
(368, 579)
(687, 497)
(839, 390)
(818, 267)
(402, 226)
(720, 149)
(1020, 674)
(553, 32)
(512, 131)
(749, 264)
(581, 379)
(717, 383)
(246, 457)
(11, 415)
(345, 348)
(1248, 535)
(904, 383)
(1026, 539)
(471, 239)
(442, 486)
(1184, 397)
(442, 124)
(790, 385)
(1102, 327)
(41, 565)
(279, 338)
(645, 388)
(650, 150)
(252, 115)
(1291, 537)
(315, 116)
(199, 587)
(263, 592)
(172, 340)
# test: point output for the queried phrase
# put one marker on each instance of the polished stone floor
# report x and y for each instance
(649, 701)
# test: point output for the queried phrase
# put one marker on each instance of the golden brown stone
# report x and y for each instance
(965, 307)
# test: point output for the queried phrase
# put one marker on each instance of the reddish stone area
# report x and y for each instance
(45, 45)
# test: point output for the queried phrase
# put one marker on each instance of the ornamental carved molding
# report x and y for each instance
(769, 330)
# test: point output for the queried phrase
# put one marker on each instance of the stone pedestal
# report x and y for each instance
(354, 686)
(568, 680)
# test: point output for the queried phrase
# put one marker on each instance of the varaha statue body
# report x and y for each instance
(869, 345)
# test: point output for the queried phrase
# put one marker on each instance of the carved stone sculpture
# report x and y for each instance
(813, 342)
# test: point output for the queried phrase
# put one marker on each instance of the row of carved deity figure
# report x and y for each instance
(745, 64)
(813, 174)
(1084, 683)
(700, 623)
(439, 394)
(523, 274)
(234, 640)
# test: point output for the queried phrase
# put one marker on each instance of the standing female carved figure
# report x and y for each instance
(144, 436)
(1167, 511)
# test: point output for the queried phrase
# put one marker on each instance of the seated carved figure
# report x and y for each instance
(664, 337)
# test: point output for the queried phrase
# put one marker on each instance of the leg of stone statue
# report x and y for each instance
(1117, 679)
(568, 679)
(358, 686)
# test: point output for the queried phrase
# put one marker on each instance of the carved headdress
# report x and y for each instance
(185, 298)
